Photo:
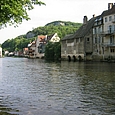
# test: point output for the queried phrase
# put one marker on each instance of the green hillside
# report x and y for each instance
(62, 28)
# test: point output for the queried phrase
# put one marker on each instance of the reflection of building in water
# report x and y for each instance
(0, 52)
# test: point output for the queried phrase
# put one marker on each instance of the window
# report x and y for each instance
(95, 40)
(102, 40)
(99, 40)
(109, 29)
(110, 18)
(99, 29)
(112, 50)
(95, 31)
(106, 19)
(111, 39)
(87, 39)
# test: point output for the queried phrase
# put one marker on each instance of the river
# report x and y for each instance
(36, 87)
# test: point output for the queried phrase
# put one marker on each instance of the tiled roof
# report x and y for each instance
(69, 36)
(109, 12)
(49, 37)
(42, 38)
(26, 49)
(82, 31)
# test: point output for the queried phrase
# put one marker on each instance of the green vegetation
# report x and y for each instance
(16, 44)
(60, 27)
(14, 11)
(53, 51)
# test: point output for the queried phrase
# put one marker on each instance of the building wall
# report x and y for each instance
(72, 48)
(109, 20)
(0, 52)
(98, 39)
(109, 39)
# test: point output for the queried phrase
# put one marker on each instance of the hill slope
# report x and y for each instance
(62, 28)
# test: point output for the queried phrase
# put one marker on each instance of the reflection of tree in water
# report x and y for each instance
(7, 111)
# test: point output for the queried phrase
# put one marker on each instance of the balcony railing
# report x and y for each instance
(108, 44)
(109, 32)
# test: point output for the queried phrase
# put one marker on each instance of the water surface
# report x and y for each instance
(36, 87)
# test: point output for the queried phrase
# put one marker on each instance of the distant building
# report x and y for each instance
(25, 51)
(0, 52)
(36, 49)
(6, 53)
(31, 49)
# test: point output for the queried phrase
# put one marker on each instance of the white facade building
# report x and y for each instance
(0, 52)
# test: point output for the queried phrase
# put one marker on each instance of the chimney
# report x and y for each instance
(110, 5)
(85, 20)
(94, 15)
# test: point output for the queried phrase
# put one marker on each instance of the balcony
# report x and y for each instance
(107, 44)
(109, 32)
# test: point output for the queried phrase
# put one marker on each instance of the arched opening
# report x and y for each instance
(79, 58)
(69, 58)
(74, 58)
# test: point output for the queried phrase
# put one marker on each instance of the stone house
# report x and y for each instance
(94, 40)
(109, 32)
(78, 46)
(104, 35)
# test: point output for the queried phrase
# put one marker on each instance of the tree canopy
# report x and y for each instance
(14, 11)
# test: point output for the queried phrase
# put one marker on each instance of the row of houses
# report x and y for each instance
(36, 49)
(94, 40)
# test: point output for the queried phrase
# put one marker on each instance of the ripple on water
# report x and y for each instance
(34, 87)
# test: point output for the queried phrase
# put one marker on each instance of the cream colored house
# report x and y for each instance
(31, 50)
(55, 38)
(40, 46)
(0, 52)
(109, 32)
(104, 35)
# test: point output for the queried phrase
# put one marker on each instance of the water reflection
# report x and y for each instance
(36, 87)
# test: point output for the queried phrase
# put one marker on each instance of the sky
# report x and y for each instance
(63, 10)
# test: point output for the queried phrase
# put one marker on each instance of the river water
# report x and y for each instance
(36, 87)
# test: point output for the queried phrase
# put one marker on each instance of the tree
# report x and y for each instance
(14, 11)
(53, 51)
